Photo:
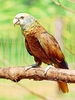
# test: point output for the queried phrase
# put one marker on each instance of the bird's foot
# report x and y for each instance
(47, 68)
(32, 66)
(27, 68)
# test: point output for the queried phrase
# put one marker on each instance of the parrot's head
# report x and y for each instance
(25, 20)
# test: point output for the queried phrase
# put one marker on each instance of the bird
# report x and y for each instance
(41, 45)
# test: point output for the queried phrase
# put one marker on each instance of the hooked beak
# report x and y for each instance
(16, 21)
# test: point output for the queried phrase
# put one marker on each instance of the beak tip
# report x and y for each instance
(14, 22)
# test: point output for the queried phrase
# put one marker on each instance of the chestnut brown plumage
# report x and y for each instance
(40, 44)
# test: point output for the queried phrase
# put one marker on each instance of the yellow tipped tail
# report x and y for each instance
(63, 86)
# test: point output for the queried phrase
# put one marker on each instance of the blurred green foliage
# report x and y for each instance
(12, 47)
(46, 12)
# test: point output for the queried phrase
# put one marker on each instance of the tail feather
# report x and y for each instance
(63, 65)
(63, 86)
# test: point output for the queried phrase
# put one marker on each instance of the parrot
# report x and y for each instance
(41, 45)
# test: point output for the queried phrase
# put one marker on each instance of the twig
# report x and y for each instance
(18, 73)
(67, 47)
(72, 1)
(30, 91)
(5, 61)
(59, 4)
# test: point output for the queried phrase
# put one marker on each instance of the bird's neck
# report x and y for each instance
(28, 28)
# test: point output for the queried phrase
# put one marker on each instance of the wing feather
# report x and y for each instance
(50, 46)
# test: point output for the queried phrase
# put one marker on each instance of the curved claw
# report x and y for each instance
(47, 68)
(32, 66)
(27, 68)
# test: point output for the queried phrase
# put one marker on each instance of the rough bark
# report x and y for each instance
(17, 73)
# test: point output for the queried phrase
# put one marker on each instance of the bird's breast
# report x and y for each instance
(36, 49)
(34, 45)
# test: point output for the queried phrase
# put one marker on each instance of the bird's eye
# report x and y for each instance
(22, 17)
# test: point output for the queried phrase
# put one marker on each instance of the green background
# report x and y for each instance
(13, 51)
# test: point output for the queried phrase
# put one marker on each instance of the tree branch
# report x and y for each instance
(17, 73)
(59, 4)
(72, 1)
